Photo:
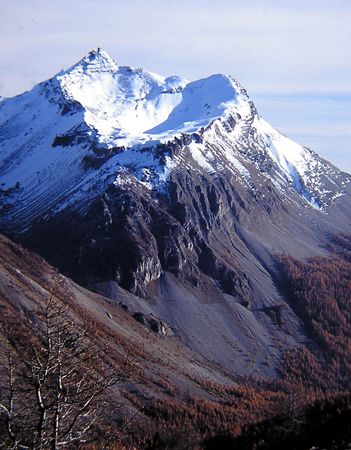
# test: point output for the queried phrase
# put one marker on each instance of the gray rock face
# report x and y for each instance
(198, 257)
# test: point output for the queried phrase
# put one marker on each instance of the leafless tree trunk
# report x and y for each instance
(55, 380)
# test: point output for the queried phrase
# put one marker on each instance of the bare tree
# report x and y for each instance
(54, 380)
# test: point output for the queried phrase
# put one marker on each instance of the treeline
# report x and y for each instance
(228, 412)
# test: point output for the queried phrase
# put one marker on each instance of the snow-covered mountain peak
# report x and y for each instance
(127, 105)
(98, 123)
(95, 61)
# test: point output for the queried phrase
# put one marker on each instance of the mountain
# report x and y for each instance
(176, 192)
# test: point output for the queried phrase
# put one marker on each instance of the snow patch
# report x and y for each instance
(198, 152)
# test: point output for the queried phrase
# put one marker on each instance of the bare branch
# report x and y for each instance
(57, 378)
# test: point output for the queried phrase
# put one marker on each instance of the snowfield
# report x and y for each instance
(128, 106)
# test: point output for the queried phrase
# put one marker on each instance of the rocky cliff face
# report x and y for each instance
(177, 192)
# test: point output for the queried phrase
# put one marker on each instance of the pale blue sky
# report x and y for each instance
(292, 56)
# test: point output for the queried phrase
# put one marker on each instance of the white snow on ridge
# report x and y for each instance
(198, 152)
(128, 106)
(292, 160)
(318, 182)
(202, 101)
(288, 155)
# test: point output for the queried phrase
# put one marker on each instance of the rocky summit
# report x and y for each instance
(172, 197)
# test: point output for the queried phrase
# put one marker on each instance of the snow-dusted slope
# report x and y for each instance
(98, 123)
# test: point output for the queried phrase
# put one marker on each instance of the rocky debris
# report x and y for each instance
(275, 312)
(124, 306)
(154, 324)
(99, 155)
(80, 134)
